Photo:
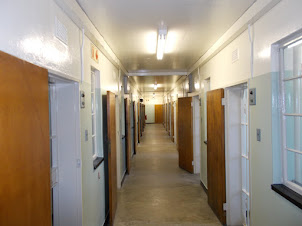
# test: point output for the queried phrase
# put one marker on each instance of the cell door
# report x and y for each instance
(185, 134)
(128, 135)
(216, 153)
(24, 144)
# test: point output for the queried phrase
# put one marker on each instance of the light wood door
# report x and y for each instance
(172, 122)
(185, 134)
(24, 144)
(111, 129)
(216, 153)
(128, 136)
(159, 113)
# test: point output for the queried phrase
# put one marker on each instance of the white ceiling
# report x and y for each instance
(130, 28)
(164, 83)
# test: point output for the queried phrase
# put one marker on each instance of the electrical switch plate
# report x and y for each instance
(82, 99)
(259, 135)
(252, 96)
(86, 135)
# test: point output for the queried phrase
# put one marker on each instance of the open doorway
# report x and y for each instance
(196, 133)
(237, 156)
(66, 179)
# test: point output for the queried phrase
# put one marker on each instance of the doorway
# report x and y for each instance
(196, 133)
(237, 156)
(66, 179)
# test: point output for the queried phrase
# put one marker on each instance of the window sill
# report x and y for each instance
(97, 161)
(288, 194)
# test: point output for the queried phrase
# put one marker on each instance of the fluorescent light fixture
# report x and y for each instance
(295, 44)
(161, 41)
(155, 85)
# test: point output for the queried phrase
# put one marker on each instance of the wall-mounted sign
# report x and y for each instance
(94, 53)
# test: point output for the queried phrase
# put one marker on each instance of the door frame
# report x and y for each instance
(52, 78)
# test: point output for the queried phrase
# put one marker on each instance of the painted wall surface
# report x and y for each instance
(267, 207)
(150, 112)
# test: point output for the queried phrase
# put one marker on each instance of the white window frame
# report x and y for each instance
(94, 85)
(285, 149)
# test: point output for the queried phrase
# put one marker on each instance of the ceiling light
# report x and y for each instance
(161, 41)
(155, 86)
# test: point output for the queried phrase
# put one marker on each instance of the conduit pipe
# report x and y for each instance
(82, 56)
(251, 38)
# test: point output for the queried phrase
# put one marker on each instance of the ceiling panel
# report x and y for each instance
(164, 83)
(130, 28)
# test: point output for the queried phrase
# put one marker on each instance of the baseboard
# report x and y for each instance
(204, 187)
(123, 179)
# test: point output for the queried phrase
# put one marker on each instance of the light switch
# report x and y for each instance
(82, 99)
(252, 96)
(259, 135)
(86, 135)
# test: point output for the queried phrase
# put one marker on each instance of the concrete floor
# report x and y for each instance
(157, 191)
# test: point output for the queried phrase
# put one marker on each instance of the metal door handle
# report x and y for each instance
(205, 142)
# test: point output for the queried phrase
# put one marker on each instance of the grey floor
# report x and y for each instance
(157, 191)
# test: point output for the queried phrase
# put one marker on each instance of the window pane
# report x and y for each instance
(294, 167)
(92, 103)
(293, 132)
(293, 97)
(93, 124)
(292, 61)
(243, 140)
(243, 176)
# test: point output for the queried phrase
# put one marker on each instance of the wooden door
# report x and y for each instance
(128, 136)
(158, 113)
(138, 123)
(166, 112)
(172, 121)
(24, 144)
(134, 123)
(111, 129)
(185, 134)
(216, 153)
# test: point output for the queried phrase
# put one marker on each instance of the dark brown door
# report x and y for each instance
(128, 135)
(138, 122)
(172, 121)
(111, 128)
(134, 123)
(24, 144)
(216, 153)
(185, 134)
(159, 113)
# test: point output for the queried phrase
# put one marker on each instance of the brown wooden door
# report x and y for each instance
(185, 133)
(159, 113)
(128, 136)
(216, 153)
(111, 128)
(24, 144)
(138, 122)
(134, 123)
(172, 121)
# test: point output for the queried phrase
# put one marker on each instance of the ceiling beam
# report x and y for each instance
(157, 73)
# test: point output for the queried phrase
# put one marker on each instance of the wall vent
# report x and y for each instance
(61, 31)
(235, 55)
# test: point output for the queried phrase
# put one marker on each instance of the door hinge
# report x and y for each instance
(192, 163)
(78, 163)
(223, 101)
(191, 104)
(224, 207)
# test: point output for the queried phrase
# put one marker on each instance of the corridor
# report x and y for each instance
(158, 192)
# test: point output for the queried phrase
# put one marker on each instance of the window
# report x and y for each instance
(95, 113)
(291, 88)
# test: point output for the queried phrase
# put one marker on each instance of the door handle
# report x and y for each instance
(205, 142)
